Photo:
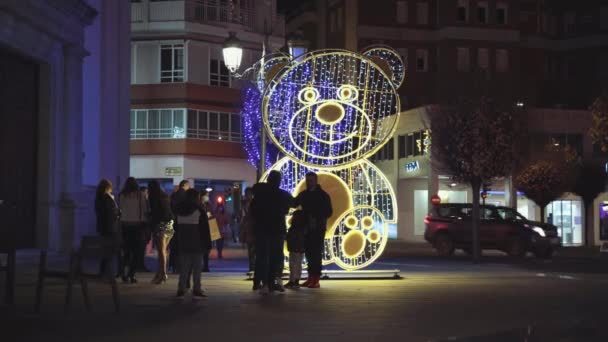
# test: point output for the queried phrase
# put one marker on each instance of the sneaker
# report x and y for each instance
(278, 287)
(288, 285)
(180, 294)
(264, 290)
(198, 294)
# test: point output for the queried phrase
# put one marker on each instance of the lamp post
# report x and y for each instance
(232, 52)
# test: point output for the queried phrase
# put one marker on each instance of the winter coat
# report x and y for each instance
(133, 208)
(107, 216)
(269, 207)
(193, 229)
(296, 235)
(316, 205)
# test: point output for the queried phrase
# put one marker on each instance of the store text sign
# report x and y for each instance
(173, 171)
(412, 166)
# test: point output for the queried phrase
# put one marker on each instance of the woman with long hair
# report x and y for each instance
(161, 218)
(107, 216)
(134, 211)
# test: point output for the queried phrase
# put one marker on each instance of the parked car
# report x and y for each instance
(449, 227)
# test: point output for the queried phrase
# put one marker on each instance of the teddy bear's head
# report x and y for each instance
(330, 108)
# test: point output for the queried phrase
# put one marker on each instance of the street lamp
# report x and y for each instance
(233, 53)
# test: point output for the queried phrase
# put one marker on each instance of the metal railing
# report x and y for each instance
(180, 133)
(213, 12)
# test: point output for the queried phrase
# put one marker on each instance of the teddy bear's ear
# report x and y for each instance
(388, 60)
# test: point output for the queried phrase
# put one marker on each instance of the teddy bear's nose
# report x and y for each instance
(330, 113)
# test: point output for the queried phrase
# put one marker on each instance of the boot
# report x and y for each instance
(314, 284)
(307, 282)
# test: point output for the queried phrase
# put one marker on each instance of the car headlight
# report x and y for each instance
(540, 231)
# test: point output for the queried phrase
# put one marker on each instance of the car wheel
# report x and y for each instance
(468, 251)
(444, 245)
(515, 247)
(544, 253)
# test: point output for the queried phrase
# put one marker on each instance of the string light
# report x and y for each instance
(327, 112)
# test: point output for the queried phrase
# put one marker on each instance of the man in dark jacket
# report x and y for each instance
(316, 205)
(269, 207)
(177, 198)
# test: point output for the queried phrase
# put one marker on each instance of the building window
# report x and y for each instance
(574, 141)
(422, 60)
(569, 23)
(386, 152)
(501, 13)
(502, 60)
(219, 75)
(214, 126)
(482, 12)
(158, 124)
(604, 18)
(602, 65)
(483, 59)
(463, 11)
(414, 144)
(402, 12)
(332, 21)
(172, 63)
(463, 59)
(401, 151)
(422, 13)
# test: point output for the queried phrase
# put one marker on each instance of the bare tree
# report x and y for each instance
(476, 141)
(599, 125)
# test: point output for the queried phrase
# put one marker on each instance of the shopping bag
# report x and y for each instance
(214, 230)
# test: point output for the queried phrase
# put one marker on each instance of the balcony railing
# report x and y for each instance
(180, 133)
(211, 12)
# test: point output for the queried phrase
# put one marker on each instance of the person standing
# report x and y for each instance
(107, 216)
(134, 209)
(161, 220)
(316, 204)
(176, 198)
(269, 206)
(223, 223)
(147, 235)
(192, 233)
(296, 240)
(204, 196)
(246, 228)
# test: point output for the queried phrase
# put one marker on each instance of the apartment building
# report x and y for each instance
(550, 56)
(185, 106)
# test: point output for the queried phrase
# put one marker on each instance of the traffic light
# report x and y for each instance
(219, 200)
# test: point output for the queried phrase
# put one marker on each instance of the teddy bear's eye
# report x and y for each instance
(308, 95)
(347, 92)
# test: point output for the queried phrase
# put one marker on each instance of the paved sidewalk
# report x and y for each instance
(437, 299)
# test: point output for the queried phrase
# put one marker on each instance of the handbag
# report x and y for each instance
(214, 230)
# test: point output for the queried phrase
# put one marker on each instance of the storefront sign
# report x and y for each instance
(173, 171)
(412, 166)
(424, 144)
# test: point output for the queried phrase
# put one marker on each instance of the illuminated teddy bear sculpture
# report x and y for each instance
(328, 111)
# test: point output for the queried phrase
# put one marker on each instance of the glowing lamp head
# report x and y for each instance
(233, 53)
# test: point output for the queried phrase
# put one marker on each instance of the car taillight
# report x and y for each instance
(427, 219)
